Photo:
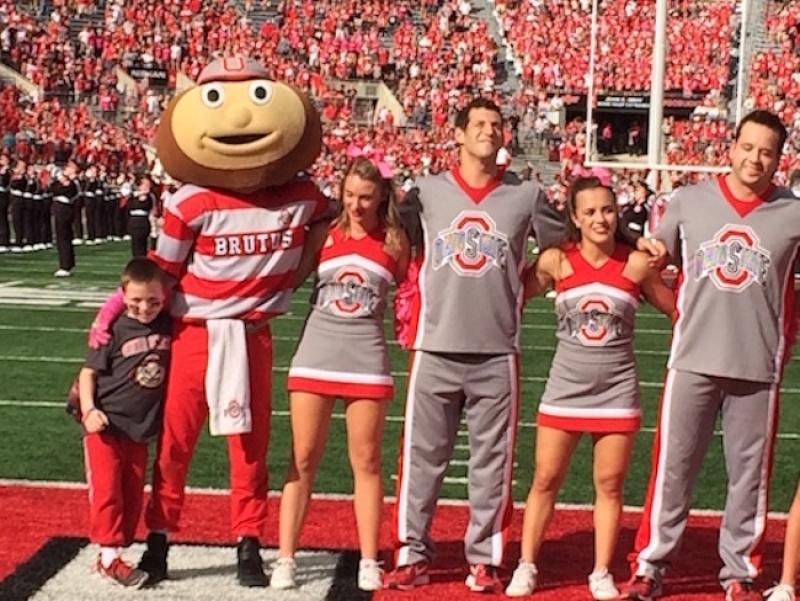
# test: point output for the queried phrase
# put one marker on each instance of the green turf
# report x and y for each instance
(42, 442)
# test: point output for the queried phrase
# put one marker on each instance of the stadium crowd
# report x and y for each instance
(433, 54)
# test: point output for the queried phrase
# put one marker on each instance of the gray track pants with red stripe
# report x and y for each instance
(688, 414)
(440, 388)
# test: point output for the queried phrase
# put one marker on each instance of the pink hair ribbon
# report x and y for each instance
(373, 154)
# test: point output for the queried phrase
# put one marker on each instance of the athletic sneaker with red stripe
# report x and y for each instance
(740, 590)
(407, 577)
(640, 588)
(122, 573)
(483, 579)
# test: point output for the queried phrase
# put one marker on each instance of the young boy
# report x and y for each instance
(121, 390)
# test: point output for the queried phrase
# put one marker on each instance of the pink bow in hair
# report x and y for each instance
(601, 173)
(375, 155)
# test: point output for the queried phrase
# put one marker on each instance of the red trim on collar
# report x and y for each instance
(743, 207)
(476, 194)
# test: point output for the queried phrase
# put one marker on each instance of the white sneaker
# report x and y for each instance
(16, 249)
(601, 584)
(523, 582)
(62, 273)
(77, 241)
(90, 242)
(4, 249)
(27, 248)
(283, 573)
(781, 592)
(370, 575)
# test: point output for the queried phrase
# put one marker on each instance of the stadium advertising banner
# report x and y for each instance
(678, 102)
(156, 75)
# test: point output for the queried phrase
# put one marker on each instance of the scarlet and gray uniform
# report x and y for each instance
(735, 304)
(465, 354)
(592, 386)
(233, 257)
(131, 376)
(342, 352)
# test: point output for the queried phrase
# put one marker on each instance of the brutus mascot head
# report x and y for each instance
(238, 130)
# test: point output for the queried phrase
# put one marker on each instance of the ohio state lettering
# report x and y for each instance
(252, 244)
(593, 322)
(471, 245)
(350, 294)
(733, 260)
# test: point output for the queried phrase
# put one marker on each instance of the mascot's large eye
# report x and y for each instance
(260, 91)
(212, 95)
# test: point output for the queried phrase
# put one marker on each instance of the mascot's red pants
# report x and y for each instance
(185, 413)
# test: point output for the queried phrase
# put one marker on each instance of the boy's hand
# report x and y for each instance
(95, 421)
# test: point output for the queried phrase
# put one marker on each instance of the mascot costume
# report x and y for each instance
(233, 238)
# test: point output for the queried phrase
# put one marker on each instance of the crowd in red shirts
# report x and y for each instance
(433, 53)
(550, 40)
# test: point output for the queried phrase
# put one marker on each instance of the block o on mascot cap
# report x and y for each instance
(238, 129)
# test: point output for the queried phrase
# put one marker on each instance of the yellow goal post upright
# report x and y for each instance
(655, 152)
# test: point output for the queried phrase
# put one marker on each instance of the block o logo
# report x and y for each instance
(350, 301)
(593, 327)
(733, 260)
(471, 245)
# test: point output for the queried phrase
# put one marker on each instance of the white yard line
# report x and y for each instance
(281, 369)
(57, 485)
(42, 404)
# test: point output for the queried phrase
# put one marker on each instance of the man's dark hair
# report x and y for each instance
(462, 118)
(767, 119)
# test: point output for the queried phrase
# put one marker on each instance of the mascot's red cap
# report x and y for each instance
(232, 69)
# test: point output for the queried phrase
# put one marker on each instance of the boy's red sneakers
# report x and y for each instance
(122, 573)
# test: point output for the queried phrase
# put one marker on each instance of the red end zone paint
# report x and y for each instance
(30, 516)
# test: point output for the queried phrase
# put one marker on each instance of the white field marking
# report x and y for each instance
(336, 415)
(280, 369)
(27, 271)
(524, 347)
(291, 317)
(197, 572)
(53, 293)
(192, 490)
(32, 301)
(9, 284)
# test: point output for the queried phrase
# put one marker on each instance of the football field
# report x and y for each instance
(43, 328)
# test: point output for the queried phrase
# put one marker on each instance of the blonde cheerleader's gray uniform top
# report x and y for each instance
(342, 350)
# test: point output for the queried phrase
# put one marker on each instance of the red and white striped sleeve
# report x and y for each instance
(182, 222)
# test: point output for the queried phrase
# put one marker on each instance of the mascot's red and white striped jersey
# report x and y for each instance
(235, 257)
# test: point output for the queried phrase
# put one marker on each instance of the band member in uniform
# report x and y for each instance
(5, 180)
(20, 211)
(139, 207)
(65, 195)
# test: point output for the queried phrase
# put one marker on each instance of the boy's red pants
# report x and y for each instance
(115, 468)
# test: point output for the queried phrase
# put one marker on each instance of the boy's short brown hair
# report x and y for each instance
(141, 270)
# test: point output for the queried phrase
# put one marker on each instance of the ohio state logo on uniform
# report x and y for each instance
(350, 294)
(471, 245)
(591, 323)
(733, 260)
